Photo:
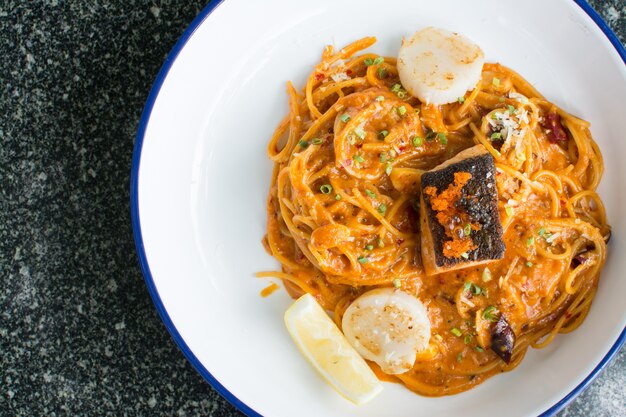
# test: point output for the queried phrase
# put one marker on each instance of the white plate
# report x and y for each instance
(200, 178)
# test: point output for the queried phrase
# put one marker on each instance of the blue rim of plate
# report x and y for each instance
(134, 209)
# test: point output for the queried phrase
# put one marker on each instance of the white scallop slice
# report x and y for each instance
(438, 66)
(388, 327)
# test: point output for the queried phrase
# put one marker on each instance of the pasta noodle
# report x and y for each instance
(342, 215)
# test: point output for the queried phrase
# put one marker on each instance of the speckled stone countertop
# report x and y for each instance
(79, 334)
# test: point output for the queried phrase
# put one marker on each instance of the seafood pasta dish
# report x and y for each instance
(439, 208)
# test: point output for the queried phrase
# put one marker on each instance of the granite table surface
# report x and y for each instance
(79, 334)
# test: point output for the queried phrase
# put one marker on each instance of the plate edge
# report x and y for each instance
(136, 222)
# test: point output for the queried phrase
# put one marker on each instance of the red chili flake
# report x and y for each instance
(401, 148)
(319, 76)
(554, 128)
(349, 72)
(400, 241)
(359, 145)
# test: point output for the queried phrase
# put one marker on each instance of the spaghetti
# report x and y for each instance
(342, 215)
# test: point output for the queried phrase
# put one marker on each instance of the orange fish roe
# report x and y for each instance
(443, 204)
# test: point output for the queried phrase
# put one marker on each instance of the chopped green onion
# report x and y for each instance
(337, 197)
(388, 168)
(496, 81)
(511, 109)
(370, 194)
(509, 211)
(368, 61)
(382, 134)
(380, 98)
(417, 141)
(326, 189)
(467, 339)
(317, 141)
(470, 287)
(479, 349)
(401, 94)
(351, 139)
(303, 143)
(465, 255)
(442, 138)
(467, 230)
(381, 244)
(490, 314)
(383, 157)
(456, 332)
(396, 88)
(486, 275)
(362, 259)
(401, 110)
(358, 158)
(381, 73)
(382, 208)
(345, 117)
(379, 60)
(530, 241)
(529, 264)
(360, 132)
(396, 283)
(542, 231)
(496, 135)
(369, 247)
(461, 100)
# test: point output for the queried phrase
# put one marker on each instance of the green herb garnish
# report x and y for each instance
(490, 314)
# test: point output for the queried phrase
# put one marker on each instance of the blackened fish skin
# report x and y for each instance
(479, 200)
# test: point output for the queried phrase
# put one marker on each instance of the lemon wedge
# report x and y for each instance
(326, 348)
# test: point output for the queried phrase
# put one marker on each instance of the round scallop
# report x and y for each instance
(388, 327)
(438, 66)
